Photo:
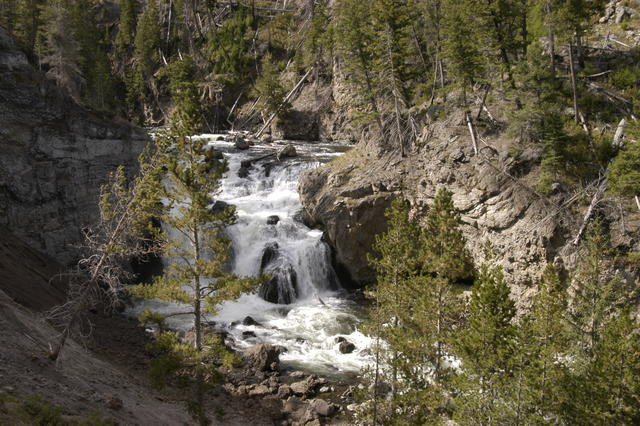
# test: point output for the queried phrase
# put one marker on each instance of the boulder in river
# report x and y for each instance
(263, 357)
(346, 347)
(249, 321)
(269, 254)
(282, 287)
(273, 219)
(248, 334)
(243, 172)
(289, 151)
(241, 143)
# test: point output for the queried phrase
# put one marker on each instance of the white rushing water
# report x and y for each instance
(319, 312)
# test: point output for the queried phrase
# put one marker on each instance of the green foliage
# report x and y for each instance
(146, 58)
(355, 42)
(198, 277)
(126, 25)
(612, 376)
(486, 347)
(544, 341)
(60, 48)
(466, 64)
(597, 290)
(40, 412)
(624, 172)
(416, 310)
(319, 41)
(271, 90)
(229, 47)
(444, 253)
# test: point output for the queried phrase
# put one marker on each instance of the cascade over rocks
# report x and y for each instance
(282, 288)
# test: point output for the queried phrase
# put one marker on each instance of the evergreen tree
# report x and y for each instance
(25, 22)
(417, 309)
(356, 42)
(271, 90)
(612, 379)
(624, 171)
(545, 341)
(444, 247)
(229, 47)
(60, 48)
(141, 84)
(396, 266)
(395, 67)
(596, 291)
(465, 62)
(126, 26)
(198, 278)
(486, 346)
(319, 39)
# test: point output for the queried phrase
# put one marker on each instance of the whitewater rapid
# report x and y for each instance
(321, 311)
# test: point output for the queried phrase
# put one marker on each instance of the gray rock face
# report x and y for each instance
(54, 156)
(349, 209)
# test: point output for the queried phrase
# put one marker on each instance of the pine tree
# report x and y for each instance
(355, 41)
(486, 346)
(595, 292)
(60, 47)
(271, 90)
(319, 40)
(229, 47)
(545, 342)
(126, 26)
(141, 82)
(624, 171)
(198, 278)
(445, 261)
(417, 309)
(25, 22)
(396, 265)
(499, 25)
(465, 62)
(444, 245)
(612, 378)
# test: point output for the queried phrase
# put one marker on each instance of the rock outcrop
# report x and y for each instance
(54, 156)
(493, 190)
(263, 357)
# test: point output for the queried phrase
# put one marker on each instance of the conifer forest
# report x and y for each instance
(320, 212)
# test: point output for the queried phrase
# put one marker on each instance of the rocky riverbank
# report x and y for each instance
(493, 189)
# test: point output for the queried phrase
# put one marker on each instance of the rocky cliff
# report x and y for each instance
(493, 190)
(54, 156)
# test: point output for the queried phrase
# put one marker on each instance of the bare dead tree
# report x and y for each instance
(123, 231)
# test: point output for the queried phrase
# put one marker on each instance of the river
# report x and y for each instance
(270, 219)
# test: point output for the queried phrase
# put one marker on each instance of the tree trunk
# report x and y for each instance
(576, 111)
(472, 131)
(484, 99)
(617, 137)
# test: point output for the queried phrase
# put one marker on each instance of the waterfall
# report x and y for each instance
(302, 307)
(269, 235)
